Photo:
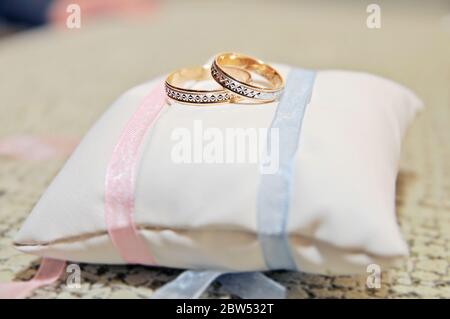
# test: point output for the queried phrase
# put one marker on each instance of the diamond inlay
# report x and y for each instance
(198, 98)
(239, 88)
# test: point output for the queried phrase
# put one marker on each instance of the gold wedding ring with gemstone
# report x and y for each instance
(178, 82)
(234, 73)
(266, 93)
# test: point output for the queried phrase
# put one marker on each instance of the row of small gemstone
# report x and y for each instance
(233, 85)
(197, 98)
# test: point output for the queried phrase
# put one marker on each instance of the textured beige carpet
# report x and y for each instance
(57, 82)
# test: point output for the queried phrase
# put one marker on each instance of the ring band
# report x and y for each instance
(247, 90)
(177, 81)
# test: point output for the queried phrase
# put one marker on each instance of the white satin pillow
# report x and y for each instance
(342, 209)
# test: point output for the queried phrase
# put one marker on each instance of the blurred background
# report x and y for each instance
(121, 43)
(63, 62)
(45, 58)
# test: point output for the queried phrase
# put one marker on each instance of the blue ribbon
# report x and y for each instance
(252, 285)
(191, 284)
(275, 189)
(272, 208)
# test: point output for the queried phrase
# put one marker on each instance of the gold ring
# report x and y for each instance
(177, 82)
(247, 90)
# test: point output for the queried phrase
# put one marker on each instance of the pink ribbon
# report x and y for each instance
(119, 199)
(120, 181)
(49, 272)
